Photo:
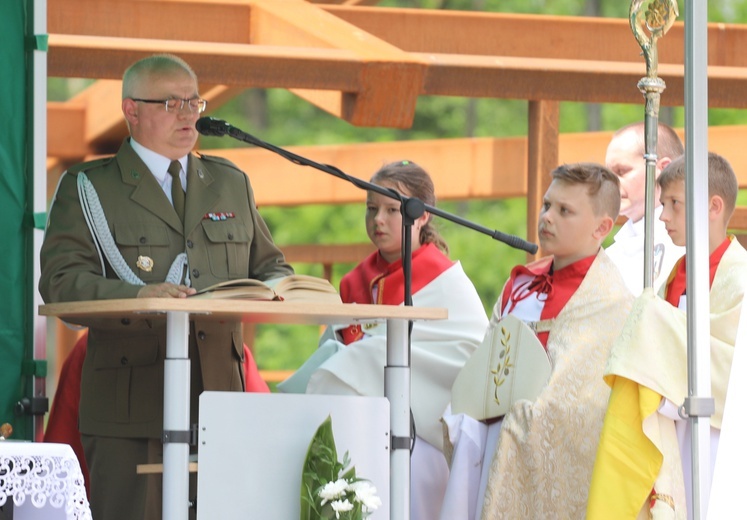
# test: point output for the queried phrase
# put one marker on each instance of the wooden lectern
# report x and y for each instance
(176, 369)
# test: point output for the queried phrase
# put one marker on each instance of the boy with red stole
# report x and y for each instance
(643, 466)
(439, 348)
(576, 301)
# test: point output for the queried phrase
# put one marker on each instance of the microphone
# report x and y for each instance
(212, 127)
(209, 126)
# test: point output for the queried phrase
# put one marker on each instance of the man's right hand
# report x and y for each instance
(165, 290)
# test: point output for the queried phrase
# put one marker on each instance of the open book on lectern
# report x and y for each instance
(296, 287)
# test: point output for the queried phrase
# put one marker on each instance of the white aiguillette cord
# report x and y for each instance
(97, 224)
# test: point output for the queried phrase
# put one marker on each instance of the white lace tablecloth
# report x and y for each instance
(47, 476)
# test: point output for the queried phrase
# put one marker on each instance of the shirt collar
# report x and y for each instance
(157, 163)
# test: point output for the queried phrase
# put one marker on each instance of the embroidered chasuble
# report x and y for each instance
(638, 450)
(545, 452)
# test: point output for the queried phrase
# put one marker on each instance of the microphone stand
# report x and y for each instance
(397, 370)
(209, 126)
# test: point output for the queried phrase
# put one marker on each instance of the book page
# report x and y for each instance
(301, 287)
(297, 287)
(244, 288)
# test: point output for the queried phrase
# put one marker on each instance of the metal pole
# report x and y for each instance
(176, 388)
(699, 404)
(648, 26)
(39, 199)
(397, 390)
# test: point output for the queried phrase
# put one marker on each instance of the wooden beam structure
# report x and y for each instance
(462, 169)
(355, 51)
(543, 154)
(368, 65)
(388, 82)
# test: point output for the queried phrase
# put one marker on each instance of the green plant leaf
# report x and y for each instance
(320, 467)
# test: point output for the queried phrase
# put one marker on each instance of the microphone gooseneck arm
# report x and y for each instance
(209, 126)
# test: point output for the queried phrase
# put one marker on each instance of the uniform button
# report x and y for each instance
(201, 335)
(190, 244)
(124, 361)
(143, 240)
(125, 321)
(195, 273)
(230, 236)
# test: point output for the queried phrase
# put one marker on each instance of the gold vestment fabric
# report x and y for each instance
(545, 454)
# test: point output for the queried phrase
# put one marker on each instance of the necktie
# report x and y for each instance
(177, 193)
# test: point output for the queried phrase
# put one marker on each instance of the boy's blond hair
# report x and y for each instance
(722, 180)
(603, 185)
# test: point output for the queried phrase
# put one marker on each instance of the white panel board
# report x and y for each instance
(252, 448)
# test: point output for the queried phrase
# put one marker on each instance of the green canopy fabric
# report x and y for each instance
(16, 215)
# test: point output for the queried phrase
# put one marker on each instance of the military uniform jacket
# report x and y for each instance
(224, 238)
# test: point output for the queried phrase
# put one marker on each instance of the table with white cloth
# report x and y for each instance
(42, 481)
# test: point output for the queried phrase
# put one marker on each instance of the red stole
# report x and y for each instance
(678, 277)
(553, 288)
(358, 285)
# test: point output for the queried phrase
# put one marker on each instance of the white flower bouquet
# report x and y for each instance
(329, 488)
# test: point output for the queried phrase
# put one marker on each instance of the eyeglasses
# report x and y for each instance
(175, 105)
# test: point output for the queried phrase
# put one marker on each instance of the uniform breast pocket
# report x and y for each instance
(145, 248)
(228, 248)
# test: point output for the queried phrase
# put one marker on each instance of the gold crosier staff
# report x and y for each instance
(648, 26)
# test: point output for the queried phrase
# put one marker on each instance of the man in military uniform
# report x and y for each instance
(155, 220)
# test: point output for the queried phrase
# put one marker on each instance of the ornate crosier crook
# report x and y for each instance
(648, 26)
(657, 19)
